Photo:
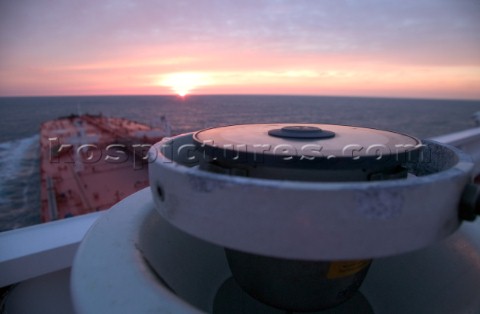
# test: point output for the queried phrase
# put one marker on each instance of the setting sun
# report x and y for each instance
(286, 47)
(184, 82)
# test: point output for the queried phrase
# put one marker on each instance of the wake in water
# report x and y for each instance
(19, 183)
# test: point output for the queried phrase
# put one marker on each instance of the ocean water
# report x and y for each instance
(20, 119)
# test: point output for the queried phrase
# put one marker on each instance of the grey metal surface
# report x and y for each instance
(255, 136)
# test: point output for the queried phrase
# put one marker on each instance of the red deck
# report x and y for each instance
(79, 174)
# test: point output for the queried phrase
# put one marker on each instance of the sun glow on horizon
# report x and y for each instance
(183, 83)
(335, 78)
(416, 49)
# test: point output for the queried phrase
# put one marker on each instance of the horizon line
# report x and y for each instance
(253, 94)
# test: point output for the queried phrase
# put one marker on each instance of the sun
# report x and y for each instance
(181, 91)
(183, 83)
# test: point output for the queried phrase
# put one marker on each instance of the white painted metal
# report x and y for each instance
(309, 220)
(23, 250)
(111, 274)
(33, 251)
(444, 278)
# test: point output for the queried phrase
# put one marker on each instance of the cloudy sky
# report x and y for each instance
(410, 48)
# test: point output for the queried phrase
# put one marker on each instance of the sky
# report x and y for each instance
(383, 48)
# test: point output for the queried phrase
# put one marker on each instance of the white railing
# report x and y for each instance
(41, 249)
(467, 140)
(460, 138)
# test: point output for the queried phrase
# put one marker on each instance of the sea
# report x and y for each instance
(21, 117)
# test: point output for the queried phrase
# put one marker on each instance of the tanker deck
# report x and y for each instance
(89, 163)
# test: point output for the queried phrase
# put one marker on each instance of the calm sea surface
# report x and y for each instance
(20, 120)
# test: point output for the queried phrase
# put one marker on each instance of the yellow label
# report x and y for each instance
(346, 268)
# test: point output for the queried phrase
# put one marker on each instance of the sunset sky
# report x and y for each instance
(414, 48)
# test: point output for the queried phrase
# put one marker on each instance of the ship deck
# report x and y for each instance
(81, 173)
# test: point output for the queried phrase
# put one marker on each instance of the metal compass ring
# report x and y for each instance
(310, 220)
